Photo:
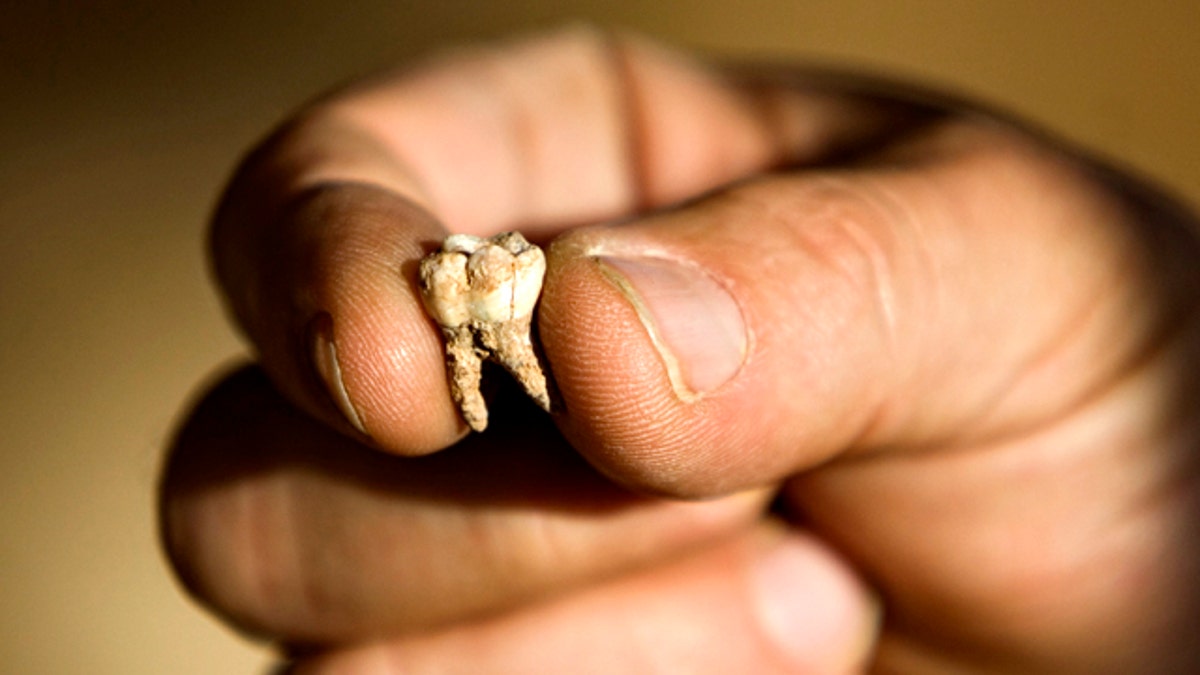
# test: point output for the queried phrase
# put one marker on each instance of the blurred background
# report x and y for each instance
(119, 121)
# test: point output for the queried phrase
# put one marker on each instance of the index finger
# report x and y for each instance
(316, 242)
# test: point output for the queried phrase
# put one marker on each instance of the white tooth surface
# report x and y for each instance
(529, 269)
(462, 243)
(444, 288)
(491, 275)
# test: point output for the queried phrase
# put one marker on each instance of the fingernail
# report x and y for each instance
(324, 356)
(692, 320)
(811, 609)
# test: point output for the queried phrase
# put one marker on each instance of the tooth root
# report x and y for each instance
(509, 345)
(466, 370)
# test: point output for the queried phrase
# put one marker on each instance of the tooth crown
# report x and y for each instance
(487, 280)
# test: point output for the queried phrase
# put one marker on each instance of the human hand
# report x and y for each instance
(849, 355)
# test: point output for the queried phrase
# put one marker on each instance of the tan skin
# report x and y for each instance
(957, 432)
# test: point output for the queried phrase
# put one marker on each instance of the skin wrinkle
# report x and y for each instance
(521, 139)
(893, 320)
(617, 144)
(636, 127)
(629, 105)
(866, 262)
(1054, 346)
(657, 167)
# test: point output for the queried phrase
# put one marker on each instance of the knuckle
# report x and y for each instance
(845, 230)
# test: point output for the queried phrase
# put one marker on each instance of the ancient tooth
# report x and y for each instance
(482, 292)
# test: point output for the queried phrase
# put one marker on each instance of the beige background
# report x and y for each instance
(119, 122)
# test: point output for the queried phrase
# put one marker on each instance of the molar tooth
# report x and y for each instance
(483, 292)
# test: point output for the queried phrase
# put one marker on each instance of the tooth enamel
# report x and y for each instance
(490, 275)
(529, 269)
(444, 288)
(462, 243)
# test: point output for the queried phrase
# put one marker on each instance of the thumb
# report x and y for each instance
(765, 329)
